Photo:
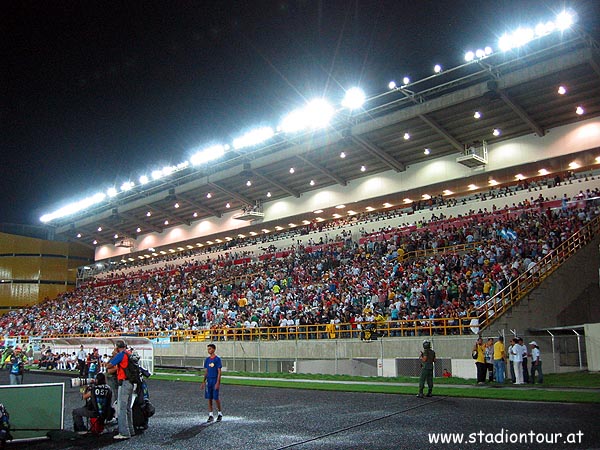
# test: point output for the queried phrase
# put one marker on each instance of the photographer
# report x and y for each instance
(98, 398)
(16, 365)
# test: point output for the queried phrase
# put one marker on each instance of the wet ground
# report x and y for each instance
(271, 418)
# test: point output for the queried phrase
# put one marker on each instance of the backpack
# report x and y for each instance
(4, 425)
(132, 371)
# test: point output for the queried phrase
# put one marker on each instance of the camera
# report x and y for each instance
(77, 382)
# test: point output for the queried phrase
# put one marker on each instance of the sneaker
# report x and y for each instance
(210, 419)
(82, 432)
(219, 417)
(120, 437)
(420, 396)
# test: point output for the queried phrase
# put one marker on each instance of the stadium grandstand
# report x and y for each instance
(431, 209)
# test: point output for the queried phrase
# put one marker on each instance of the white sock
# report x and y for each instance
(210, 414)
(220, 414)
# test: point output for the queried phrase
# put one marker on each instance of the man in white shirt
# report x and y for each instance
(536, 363)
(517, 353)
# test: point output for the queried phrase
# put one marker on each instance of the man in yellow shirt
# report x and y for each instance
(499, 360)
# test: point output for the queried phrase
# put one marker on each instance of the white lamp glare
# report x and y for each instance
(144, 179)
(437, 68)
(354, 99)
(564, 20)
(469, 56)
(405, 81)
(392, 85)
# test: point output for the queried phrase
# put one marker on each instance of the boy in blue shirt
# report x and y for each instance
(212, 382)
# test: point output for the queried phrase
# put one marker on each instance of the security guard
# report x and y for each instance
(427, 359)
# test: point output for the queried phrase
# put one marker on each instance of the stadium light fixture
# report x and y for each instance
(227, 205)
(340, 206)
(312, 182)
(392, 85)
(472, 187)
(78, 235)
(292, 225)
(208, 195)
(479, 53)
(208, 154)
(317, 211)
(520, 177)
(447, 192)
(406, 81)
(562, 90)
(574, 165)
(543, 172)
(176, 205)
(370, 208)
(73, 208)
(437, 68)
(248, 183)
(496, 132)
(149, 213)
(469, 56)
(268, 194)
(138, 230)
(99, 229)
(477, 115)
(166, 222)
(144, 180)
(342, 155)
(354, 98)
(426, 196)
(111, 192)
(387, 205)
(492, 182)
(195, 215)
(564, 20)
(292, 170)
(406, 136)
(407, 201)
(598, 159)
(315, 115)
(116, 236)
(488, 50)
(127, 186)
(579, 110)
(426, 151)
(253, 138)
(95, 242)
(363, 168)
(157, 174)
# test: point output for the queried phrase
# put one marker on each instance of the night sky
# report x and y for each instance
(96, 93)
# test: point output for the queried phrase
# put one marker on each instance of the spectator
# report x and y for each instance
(499, 360)
(536, 363)
(479, 354)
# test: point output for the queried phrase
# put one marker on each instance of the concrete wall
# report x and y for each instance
(592, 344)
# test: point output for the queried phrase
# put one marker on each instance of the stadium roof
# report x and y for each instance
(516, 92)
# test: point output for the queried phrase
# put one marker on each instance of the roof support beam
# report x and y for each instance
(379, 153)
(200, 206)
(521, 113)
(323, 170)
(442, 132)
(275, 183)
(240, 197)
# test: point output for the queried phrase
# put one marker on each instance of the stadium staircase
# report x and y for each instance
(561, 290)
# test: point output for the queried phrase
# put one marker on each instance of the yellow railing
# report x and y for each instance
(505, 299)
(486, 314)
(458, 248)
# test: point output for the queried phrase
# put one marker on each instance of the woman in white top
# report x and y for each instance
(536, 363)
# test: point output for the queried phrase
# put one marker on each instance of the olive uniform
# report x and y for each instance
(427, 359)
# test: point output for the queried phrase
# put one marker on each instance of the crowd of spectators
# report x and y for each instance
(339, 281)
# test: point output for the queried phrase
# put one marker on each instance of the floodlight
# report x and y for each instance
(312, 182)
(343, 155)
(176, 205)
(95, 242)
(317, 211)
(496, 132)
(292, 170)
(426, 151)
(492, 182)
(144, 179)
(253, 137)
(579, 110)
(564, 20)
(139, 230)
(574, 165)
(562, 90)
(208, 154)
(148, 214)
(268, 195)
(437, 68)
(505, 43)
(406, 136)
(111, 192)
(354, 98)
(127, 186)
(195, 215)
(363, 168)
(520, 176)
(392, 85)
(477, 115)
(99, 229)
(407, 200)
(227, 205)
(116, 236)
(447, 192)
(472, 187)
(543, 172)
(78, 235)
(157, 174)
(208, 195)
(167, 170)
(72, 208)
(316, 114)
(522, 36)
(166, 222)
(469, 56)
(488, 50)
(248, 183)
(405, 81)
(480, 53)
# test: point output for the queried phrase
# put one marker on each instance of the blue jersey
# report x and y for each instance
(212, 366)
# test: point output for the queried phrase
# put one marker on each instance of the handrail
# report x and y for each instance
(506, 298)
